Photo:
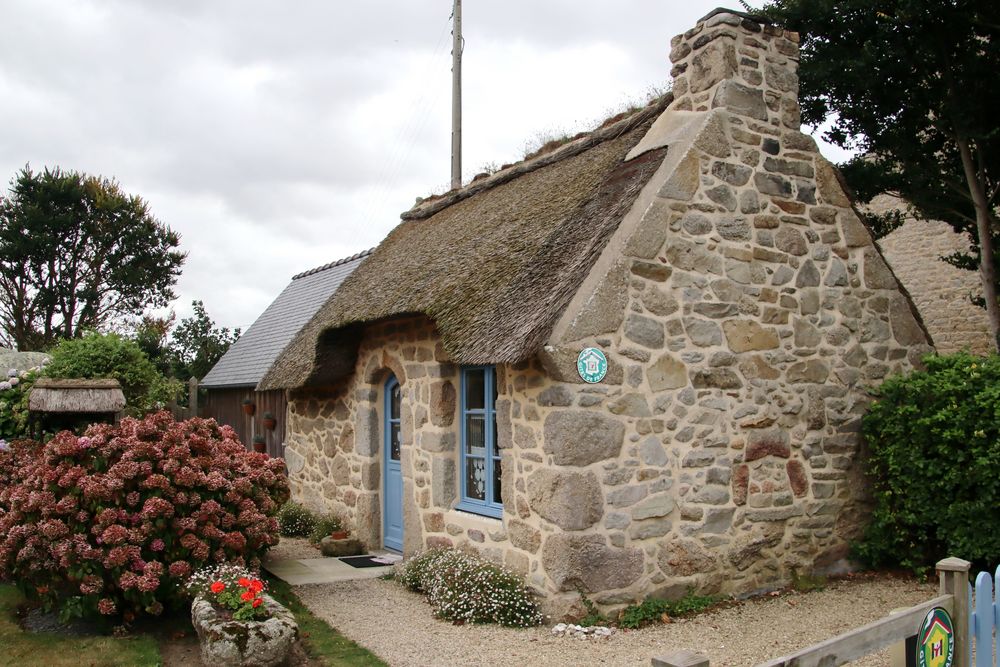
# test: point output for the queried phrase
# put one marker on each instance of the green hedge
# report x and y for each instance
(934, 440)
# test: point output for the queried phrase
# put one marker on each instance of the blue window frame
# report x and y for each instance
(480, 458)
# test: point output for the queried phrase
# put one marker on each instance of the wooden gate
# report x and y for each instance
(984, 617)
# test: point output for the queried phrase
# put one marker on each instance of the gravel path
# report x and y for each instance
(293, 548)
(398, 626)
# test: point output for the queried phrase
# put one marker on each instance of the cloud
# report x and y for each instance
(276, 137)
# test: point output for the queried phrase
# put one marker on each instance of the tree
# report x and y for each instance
(76, 254)
(197, 344)
(911, 84)
(97, 355)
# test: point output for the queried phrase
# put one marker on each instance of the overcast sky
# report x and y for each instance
(278, 136)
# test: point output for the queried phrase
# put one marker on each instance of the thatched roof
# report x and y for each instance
(493, 265)
(76, 396)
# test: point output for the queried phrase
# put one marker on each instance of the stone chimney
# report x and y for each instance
(739, 62)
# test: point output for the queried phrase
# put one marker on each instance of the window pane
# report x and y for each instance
(475, 478)
(394, 441)
(394, 402)
(496, 481)
(475, 435)
(475, 389)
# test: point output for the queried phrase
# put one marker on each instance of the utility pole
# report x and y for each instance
(456, 96)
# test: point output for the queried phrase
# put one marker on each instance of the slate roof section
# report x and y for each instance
(250, 357)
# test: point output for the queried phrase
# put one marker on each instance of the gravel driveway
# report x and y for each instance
(398, 626)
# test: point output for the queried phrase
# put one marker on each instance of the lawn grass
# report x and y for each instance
(323, 644)
(20, 648)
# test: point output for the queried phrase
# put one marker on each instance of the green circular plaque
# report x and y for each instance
(592, 365)
(936, 640)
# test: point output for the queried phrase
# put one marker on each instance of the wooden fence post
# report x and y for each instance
(193, 397)
(953, 578)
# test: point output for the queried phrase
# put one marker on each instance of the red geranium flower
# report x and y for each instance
(244, 582)
(256, 603)
(247, 596)
(218, 587)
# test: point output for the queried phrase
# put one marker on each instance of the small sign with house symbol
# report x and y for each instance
(936, 640)
(592, 365)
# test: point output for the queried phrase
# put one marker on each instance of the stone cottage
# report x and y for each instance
(703, 248)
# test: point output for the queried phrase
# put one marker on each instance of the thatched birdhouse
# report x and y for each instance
(62, 403)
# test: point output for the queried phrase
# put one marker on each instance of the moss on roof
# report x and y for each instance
(493, 265)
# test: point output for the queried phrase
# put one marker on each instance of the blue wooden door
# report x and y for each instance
(392, 478)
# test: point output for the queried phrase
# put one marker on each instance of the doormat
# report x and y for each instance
(370, 561)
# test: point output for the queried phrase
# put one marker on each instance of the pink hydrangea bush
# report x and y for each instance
(115, 521)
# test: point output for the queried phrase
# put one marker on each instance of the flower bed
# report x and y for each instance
(465, 588)
(114, 521)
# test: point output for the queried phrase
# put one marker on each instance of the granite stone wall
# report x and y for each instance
(744, 310)
(335, 444)
(941, 291)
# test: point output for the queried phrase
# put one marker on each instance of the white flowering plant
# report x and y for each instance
(14, 387)
(465, 588)
(294, 520)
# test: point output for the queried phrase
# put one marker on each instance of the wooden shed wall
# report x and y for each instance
(226, 407)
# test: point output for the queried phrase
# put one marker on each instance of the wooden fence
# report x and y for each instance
(954, 595)
(983, 618)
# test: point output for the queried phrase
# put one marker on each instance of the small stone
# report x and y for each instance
(652, 507)
(683, 558)
(808, 275)
(747, 335)
(773, 184)
(837, 275)
(651, 271)
(571, 500)
(696, 224)
(582, 437)
(790, 240)
(769, 442)
(877, 274)
(555, 396)
(797, 479)
(703, 333)
(666, 373)
(740, 99)
(813, 370)
(644, 331)
(719, 378)
(575, 561)
(722, 195)
(733, 174)
(733, 228)
(652, 453)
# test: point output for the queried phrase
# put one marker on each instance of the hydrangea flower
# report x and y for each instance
(4, 386)
(140, 505)
(12, 373)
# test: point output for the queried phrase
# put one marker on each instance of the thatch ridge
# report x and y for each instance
(428, 207)
(493, 265)
(77, 383)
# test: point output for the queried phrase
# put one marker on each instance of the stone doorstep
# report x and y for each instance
(322, 570)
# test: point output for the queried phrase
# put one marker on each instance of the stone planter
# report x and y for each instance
(229, 643)
(329, 546)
